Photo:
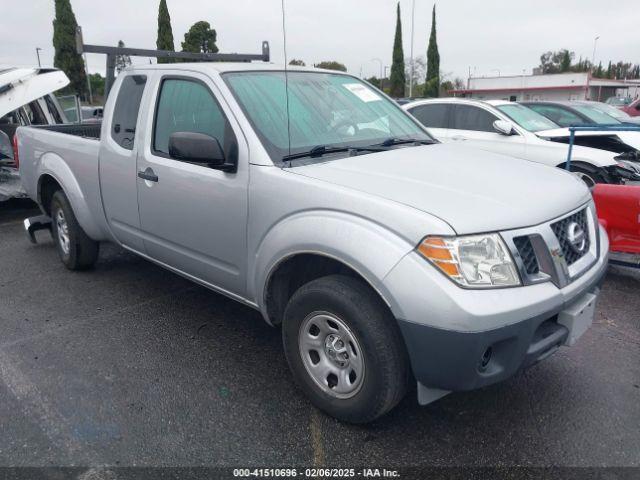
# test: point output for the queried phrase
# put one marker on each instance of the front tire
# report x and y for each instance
(345, 349)
(76, 250)
(590, 177)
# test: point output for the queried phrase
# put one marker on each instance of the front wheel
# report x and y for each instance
(590, 177)
(76, 250)
(345, 349)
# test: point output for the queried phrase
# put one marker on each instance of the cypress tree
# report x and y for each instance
(165, 33)
(397, 79)
(66, 57)
(432, 86)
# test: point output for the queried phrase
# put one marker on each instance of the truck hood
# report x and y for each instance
(20, 86)
(630, 138)
(472, 190)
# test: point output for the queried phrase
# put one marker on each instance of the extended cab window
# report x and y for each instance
(188, 106)
(433, 116)
(466, 117)
(125, 114)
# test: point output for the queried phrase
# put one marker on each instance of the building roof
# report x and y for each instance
(528, 83)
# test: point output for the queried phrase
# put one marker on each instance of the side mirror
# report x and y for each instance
(6, 148)
(199, 148)
(503, 127)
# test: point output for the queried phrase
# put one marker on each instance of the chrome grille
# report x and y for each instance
(560, 229)
(527, 254)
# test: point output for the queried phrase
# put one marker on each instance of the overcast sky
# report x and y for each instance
(492, 35)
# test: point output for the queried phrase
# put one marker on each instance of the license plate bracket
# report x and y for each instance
(578, 317)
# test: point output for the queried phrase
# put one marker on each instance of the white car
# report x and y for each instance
(512, 129)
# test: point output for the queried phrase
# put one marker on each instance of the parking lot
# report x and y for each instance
(129, 364)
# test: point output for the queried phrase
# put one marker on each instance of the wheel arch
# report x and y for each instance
(55, 174)
(314, 244)
(299, 268)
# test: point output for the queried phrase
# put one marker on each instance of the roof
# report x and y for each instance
(224, 67)
(461, 101)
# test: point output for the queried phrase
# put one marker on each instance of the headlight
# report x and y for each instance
(474, 261)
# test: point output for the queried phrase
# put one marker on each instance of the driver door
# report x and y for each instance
(194, 217)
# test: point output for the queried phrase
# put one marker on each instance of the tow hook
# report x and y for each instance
(33, 224)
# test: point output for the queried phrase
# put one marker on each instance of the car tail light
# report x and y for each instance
(16, 158)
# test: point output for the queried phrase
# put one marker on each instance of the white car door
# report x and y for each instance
(472, 125)
(434, 116)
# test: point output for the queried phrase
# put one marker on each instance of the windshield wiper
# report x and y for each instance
(320, 150)
(390, 142)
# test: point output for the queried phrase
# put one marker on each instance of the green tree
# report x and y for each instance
(297, 63)
(200, 38)
(375, 81)
(66, 57)
(397, 78)
(165, 33)
(432, 84)
(565, 60)
(331, 65)
(97, 84)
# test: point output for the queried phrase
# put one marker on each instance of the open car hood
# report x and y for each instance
(19, 86)
(630, 138)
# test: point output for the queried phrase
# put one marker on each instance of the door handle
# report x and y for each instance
(459, 138)
(148, 175)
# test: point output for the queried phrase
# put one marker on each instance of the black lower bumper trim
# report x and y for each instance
(458, 361)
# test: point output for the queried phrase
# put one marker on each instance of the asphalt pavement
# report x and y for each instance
(129, 364)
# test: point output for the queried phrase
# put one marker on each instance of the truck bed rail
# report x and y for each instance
(91, 130)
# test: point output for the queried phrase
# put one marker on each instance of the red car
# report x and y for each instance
(633, 108)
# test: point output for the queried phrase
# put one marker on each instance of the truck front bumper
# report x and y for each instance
(461, 339)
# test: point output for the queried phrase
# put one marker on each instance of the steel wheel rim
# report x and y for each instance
(63, 231)
(331, 354)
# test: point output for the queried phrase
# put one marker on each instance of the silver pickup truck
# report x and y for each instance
(384, 256)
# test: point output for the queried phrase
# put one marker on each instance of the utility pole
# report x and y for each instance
(38, 55)
(413, 16)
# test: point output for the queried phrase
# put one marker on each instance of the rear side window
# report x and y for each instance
(188, 106)
(467, 117)
(433, 116)
(562, 117)
(125, 114)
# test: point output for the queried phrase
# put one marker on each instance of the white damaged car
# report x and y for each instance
(511, 129)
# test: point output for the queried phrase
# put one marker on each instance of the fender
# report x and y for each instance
(54, 166)
(367, 247)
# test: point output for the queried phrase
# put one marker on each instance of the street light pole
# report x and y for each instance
(38, 55)
(593, 57)
(380, 62)
(413, 15)
(86, 70)
(381, 78)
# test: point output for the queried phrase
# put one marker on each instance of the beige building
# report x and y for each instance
(561, 86)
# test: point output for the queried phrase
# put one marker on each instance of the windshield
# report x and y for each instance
(527, 118)
(619, 101)
(325, 110)
(595, 114)
(604, 109)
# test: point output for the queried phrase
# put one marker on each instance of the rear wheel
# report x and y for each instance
(345, 349)
(76, 250)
